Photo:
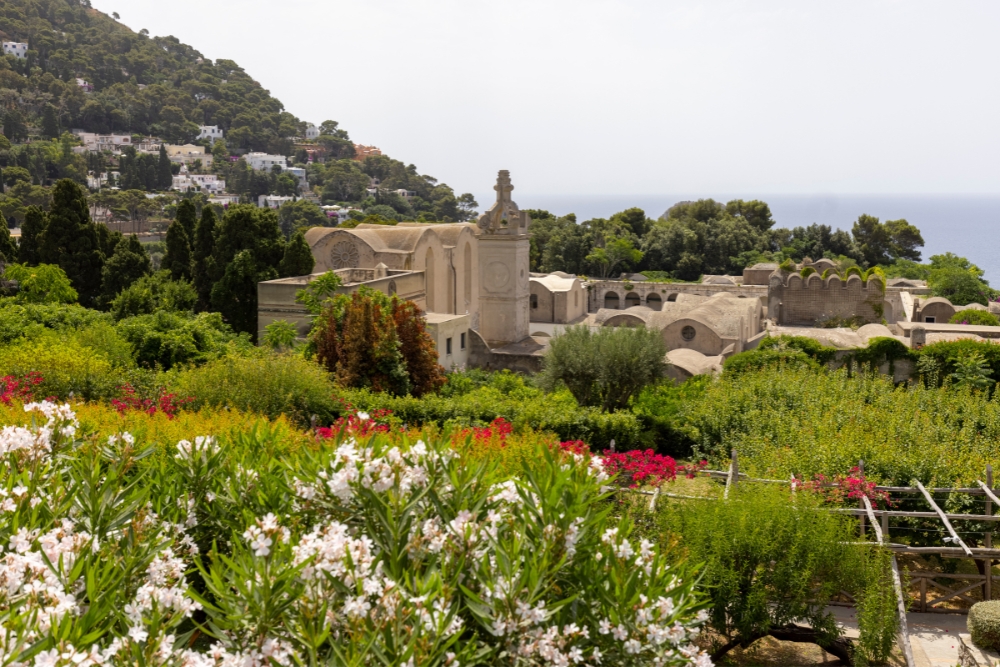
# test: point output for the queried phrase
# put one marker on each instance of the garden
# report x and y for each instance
(177, 492)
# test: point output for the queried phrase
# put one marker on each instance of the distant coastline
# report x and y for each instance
(967, 225)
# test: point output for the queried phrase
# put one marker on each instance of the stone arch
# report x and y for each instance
(654, 301)
(533, 299)
(467, 275)
(392, 287)
(612, 301)
(672, 297)
(632, 299)
(429, 276)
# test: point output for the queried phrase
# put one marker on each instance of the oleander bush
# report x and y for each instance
(984, 624)
(364, 551)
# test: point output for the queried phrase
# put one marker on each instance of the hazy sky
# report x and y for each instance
(630, 96)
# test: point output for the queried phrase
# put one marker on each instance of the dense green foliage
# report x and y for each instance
(768, 568)
(607, 368)
(984, 624)
(976, 317)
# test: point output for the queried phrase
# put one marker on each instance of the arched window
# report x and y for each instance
(632, 299)
(611, 300)
(654, 302)
(672, 297)
(534, 301)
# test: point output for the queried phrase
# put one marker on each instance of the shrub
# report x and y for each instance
(984, 624)
(658, 408)
(766, 568)
(976, 317)
(605, 369)
(759, 359)
(67, 369)
(788, 420)
(815, 349)
(166, 339)
(154, 293)
(27, 320)
(45, 283)
(262, 383)
(947, 355)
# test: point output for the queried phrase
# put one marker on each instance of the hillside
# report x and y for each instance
(142, 84)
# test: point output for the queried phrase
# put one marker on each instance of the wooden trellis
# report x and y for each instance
(878, 520)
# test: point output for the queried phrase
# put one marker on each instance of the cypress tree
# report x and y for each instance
(31, 229)
(235, 295)
(164, 173)
(298, 259)
(177, 259)
(187, 216)
(127, 265)
(8, 248)
(108, 240)
(50, 124)
(71, 241)
(202, 266)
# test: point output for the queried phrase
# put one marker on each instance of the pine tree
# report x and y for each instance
(201, 253)
(165, 174)
(177, 259)
(31, 229)
(298, 259)
(129, 263)
(108, 240)
(50, 124)
(71, 241)
(8, 248)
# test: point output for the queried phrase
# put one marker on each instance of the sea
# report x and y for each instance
(967, 225)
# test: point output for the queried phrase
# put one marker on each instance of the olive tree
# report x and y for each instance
(606, 368)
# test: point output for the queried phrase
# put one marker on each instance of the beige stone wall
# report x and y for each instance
(797, 301)
(456, 328)
(664, 291)
(678, 335)
(940, 311)
(504, 289)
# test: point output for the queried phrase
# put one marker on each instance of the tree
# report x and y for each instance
(31, 229)
(467, 206)
(70, 240)
(286, 185)
(882, 243)
(298, 259)
(164, 173)
(635, 219)
(605, 369)
(755, 212)
(279, 335)
(177, 259)
(235, 295)
(14, 127)
(418, 348)
(50, 123)
(127, 265)
(187, 215)
(617, 253)
(44, 283)
(299, 215)
(202, 267)
(154, 293)
(14, 175)
(8, 248)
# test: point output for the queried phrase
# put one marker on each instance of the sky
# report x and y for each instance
(602, 97)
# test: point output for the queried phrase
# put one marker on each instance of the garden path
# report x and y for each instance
(933, 637)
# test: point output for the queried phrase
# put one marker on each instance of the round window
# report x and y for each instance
(688, 332)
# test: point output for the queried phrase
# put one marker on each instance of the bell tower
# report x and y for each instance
(504, 252)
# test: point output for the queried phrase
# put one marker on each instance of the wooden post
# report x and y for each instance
(923, 593)
(988, 538)
(733, 477)
(736, 468)
(861, 503)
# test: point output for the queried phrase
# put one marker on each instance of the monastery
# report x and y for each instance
(484, 307)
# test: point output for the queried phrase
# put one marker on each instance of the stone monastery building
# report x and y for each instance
(484, 308)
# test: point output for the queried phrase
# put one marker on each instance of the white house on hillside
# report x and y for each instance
(258, 161)
(311, 131)
(16, 49)
(210, 132)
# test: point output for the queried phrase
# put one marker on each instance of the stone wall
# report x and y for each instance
(813, 301)
(663, 292)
